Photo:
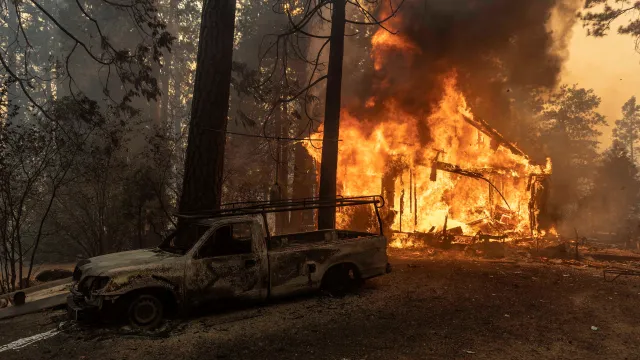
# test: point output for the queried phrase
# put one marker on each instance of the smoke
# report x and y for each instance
(500, 50)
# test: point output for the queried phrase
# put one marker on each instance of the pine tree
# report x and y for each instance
(627, 130)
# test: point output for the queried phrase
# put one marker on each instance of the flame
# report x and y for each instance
(393, 146)
(383, 41)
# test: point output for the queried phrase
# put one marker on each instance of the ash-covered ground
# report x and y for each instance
(433, 306)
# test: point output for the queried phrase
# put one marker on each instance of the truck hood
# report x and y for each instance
(102, 265)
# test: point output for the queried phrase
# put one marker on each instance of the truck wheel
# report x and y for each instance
(341, 279)
(145, 312)
(19, 298)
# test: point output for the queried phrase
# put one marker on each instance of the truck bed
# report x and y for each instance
(312, 237)
(298, 261)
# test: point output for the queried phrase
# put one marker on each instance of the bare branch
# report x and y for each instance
(372, 18)
(28, 94)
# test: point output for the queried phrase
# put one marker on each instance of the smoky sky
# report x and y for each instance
(500, 50)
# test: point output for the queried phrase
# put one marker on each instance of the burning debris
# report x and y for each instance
(468, 182)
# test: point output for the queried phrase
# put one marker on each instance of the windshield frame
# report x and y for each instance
(166, 245)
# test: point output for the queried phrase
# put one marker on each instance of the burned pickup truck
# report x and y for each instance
(224, 255)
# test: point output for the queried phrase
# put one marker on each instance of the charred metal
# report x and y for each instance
(227, 255)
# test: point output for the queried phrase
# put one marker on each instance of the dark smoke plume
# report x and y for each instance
(500, 50)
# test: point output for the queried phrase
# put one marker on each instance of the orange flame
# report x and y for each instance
(384, 41)
(370, 147)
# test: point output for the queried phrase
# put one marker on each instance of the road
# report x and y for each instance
(433, 308)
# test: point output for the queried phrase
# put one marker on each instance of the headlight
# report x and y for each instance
(77, 273)
(93, 283)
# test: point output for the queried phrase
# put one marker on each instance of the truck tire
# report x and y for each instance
(19, 298)
(341, 279)
(145, 311)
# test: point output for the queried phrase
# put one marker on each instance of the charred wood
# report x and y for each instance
(496, 137)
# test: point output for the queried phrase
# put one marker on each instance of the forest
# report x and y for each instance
(117, 114)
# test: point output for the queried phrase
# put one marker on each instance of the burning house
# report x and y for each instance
(413, 129)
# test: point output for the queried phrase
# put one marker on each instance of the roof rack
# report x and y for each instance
(260, 207)
(264, 207)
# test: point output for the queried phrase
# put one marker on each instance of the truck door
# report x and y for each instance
(228, 264)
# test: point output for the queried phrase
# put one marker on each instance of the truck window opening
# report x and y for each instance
(234, 239)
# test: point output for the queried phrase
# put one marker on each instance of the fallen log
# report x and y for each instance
(32, 289)
(42, 304)
(36, 298)
(615, 273)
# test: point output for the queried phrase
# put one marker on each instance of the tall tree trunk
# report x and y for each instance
(329, 162)
(15, 95)
(202, 185)
(177, 103)
(20, 262)
(282, 219)
(166, 76)
(5, 256)
(168, 63)
(304, 176)
(155, 111)
(303, 181)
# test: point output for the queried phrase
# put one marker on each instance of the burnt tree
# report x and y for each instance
(329, 161)
(202, 184)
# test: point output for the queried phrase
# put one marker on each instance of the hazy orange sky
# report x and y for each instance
(610, 66)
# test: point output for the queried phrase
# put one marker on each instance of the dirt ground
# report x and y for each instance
(430, 307)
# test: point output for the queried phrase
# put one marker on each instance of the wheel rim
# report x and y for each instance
(145, 311)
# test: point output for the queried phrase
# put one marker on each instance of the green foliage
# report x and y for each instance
(568, 123)
(627, 129)
(602, 13)
(570, 117)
